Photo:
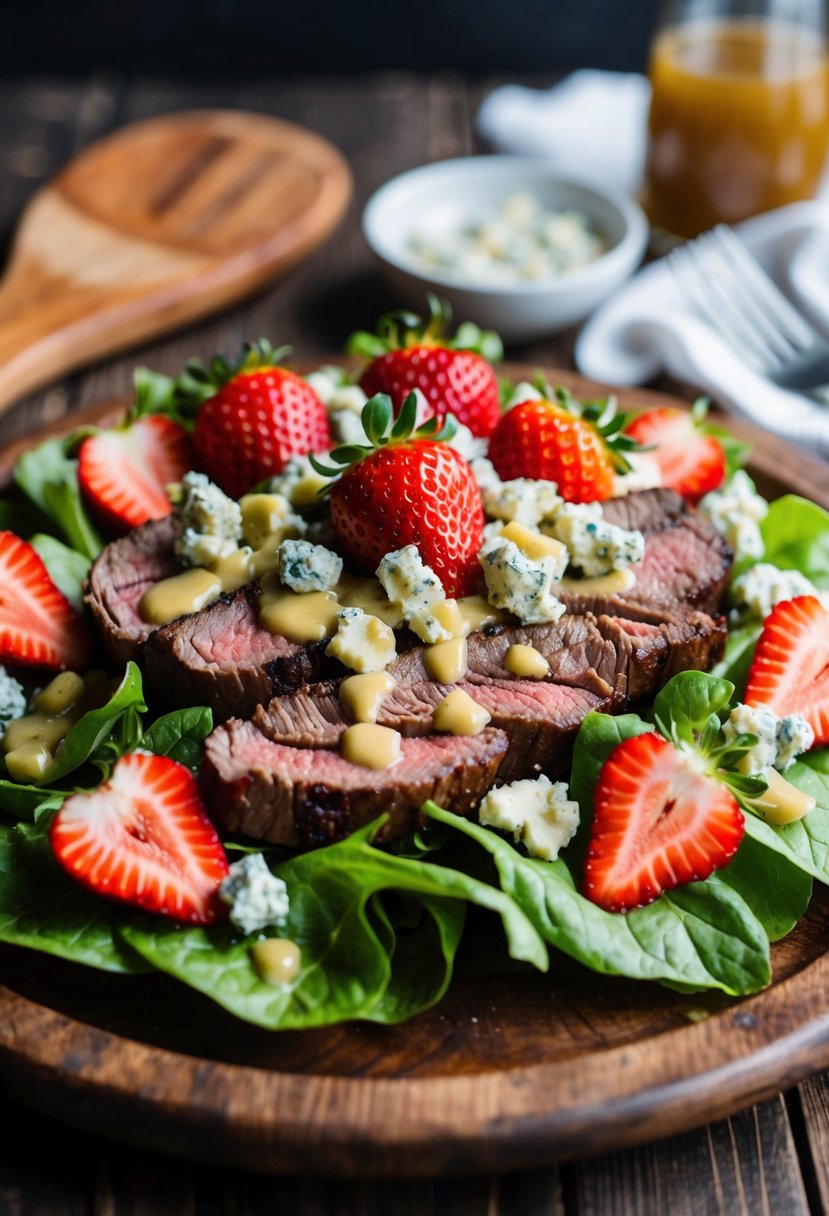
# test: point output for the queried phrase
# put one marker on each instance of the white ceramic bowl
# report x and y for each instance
(448, 192)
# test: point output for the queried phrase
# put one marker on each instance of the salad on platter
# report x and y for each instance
(302, 673)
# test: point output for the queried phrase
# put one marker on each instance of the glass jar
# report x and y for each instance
(739, 118)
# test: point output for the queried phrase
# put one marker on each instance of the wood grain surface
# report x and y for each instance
(509, 1070)
(771, 1158)
(163, 222)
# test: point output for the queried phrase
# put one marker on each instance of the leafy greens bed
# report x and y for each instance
(379, 930)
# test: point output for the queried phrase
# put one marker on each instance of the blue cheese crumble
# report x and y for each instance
(522, 391)
(299, 482)
(521, 241)
(779, 740)
(595, 546)
(470, 446)
(538, 813)
(519, 584)
(408, 582)
(756, 592)
(335, 390)
(484, 473)
(12, 700)
(208, 523)
(362, 642)
(306, 567)
(523, 499)
(257, 898)
(735, 510)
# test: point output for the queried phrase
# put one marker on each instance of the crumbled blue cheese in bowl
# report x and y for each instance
(519, 242)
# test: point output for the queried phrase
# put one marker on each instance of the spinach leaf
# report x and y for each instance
(44, 909)
(22, 518)
(49, 476)
(180, 735)
(777, 891)
(796, 536)
(739, 651)
(103, 734)
(67, 568)
(598, 735)
(805, 843)
(356, 962)
(703, 935)
(687, 707)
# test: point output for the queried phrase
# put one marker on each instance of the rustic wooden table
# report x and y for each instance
(772, 1158)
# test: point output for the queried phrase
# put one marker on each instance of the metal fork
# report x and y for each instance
(725, 286)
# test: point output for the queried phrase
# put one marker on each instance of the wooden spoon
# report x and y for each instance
(155, 226)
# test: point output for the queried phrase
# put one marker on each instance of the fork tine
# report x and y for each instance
(741, 297)
(765, 291)
(693, 278)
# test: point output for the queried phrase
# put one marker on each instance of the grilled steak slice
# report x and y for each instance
(664, 643)
(540, 718)
(577, 652)
(118, 579)
(223, 658)
(686, 563)
(309, 797)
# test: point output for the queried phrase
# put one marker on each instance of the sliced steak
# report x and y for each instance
(309, 797)
(575, 649)
(540, 717)
(686, 563)
(118, 579)
(222, 657)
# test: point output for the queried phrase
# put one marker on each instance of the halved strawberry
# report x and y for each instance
(691, 461)
(143, 837)
(123, 472)
(658, 822)
(38, 625)
(790, 668)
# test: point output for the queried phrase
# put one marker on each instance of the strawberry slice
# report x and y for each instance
(790, 669)
(658, 822)
(38, 625)
(690, 461)
(123, 472)
(143, 837)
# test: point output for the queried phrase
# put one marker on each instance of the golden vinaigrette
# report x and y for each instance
(739, 121)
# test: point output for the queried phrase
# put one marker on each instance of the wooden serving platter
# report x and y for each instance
(511, 1070)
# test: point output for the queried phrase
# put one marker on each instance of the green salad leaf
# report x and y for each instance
(358, 959)
(44, 909)
(67, 568)
(180, 735)
(796, 535)
(104, 734)
(49, 476)
(686, 710)
(805, 843)
(703, 935)
(776, 889)
(99, 737)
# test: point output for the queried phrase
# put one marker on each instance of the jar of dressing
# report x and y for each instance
(739, 118)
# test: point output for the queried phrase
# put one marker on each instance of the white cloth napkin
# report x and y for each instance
(646, 327)
(590, 127)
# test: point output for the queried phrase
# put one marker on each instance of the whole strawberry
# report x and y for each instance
(454, 375)
(556, 438)
(257, 418)
(407, 487)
